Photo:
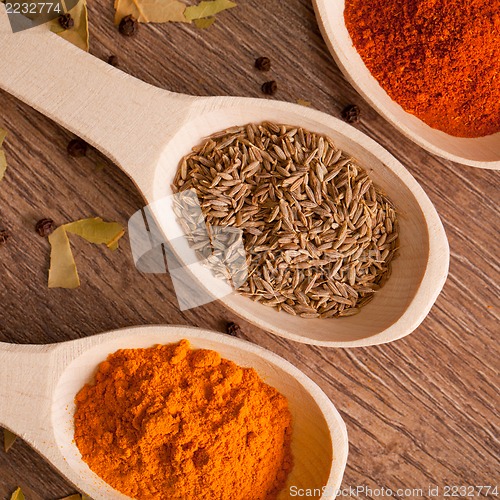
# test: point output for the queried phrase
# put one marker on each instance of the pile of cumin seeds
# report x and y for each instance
(318, 235)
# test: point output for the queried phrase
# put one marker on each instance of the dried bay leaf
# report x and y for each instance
(151, 11)
(62, 271)
(8, 440)
(3, 159)
(208, 8)
(163, 11)
(204, 23)
(3, 164)
(79, 34)
(304, 103)
(17, 495)
(97, 231)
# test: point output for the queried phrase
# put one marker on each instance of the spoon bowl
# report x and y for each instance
(481, 152)
(39, 384)
(146, 131)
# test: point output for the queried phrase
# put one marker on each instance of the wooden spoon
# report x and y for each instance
(38, 385)
(146, 131)
(480, 152)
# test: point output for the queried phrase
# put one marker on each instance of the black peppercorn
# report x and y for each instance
(269, 88)
(263, 63)
(66, 21)
(77, 148)
(351, 113)
(4, 236)
(128, 26)
(113, 60)
(234, 330)
(45, 227)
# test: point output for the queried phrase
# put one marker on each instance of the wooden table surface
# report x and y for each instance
(419, 411)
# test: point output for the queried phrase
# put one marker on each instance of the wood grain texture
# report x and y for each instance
(419, 411)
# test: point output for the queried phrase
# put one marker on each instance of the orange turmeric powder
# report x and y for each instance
(169, 423)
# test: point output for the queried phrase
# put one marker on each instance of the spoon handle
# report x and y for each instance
(120, 115)
(25, 389)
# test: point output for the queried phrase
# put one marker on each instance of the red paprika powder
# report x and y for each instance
(439, 59)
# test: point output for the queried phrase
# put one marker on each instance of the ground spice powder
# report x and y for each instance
(170, 422)
(439, 59)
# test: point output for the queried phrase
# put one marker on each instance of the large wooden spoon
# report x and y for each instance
(146, 130)
(38, 385)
